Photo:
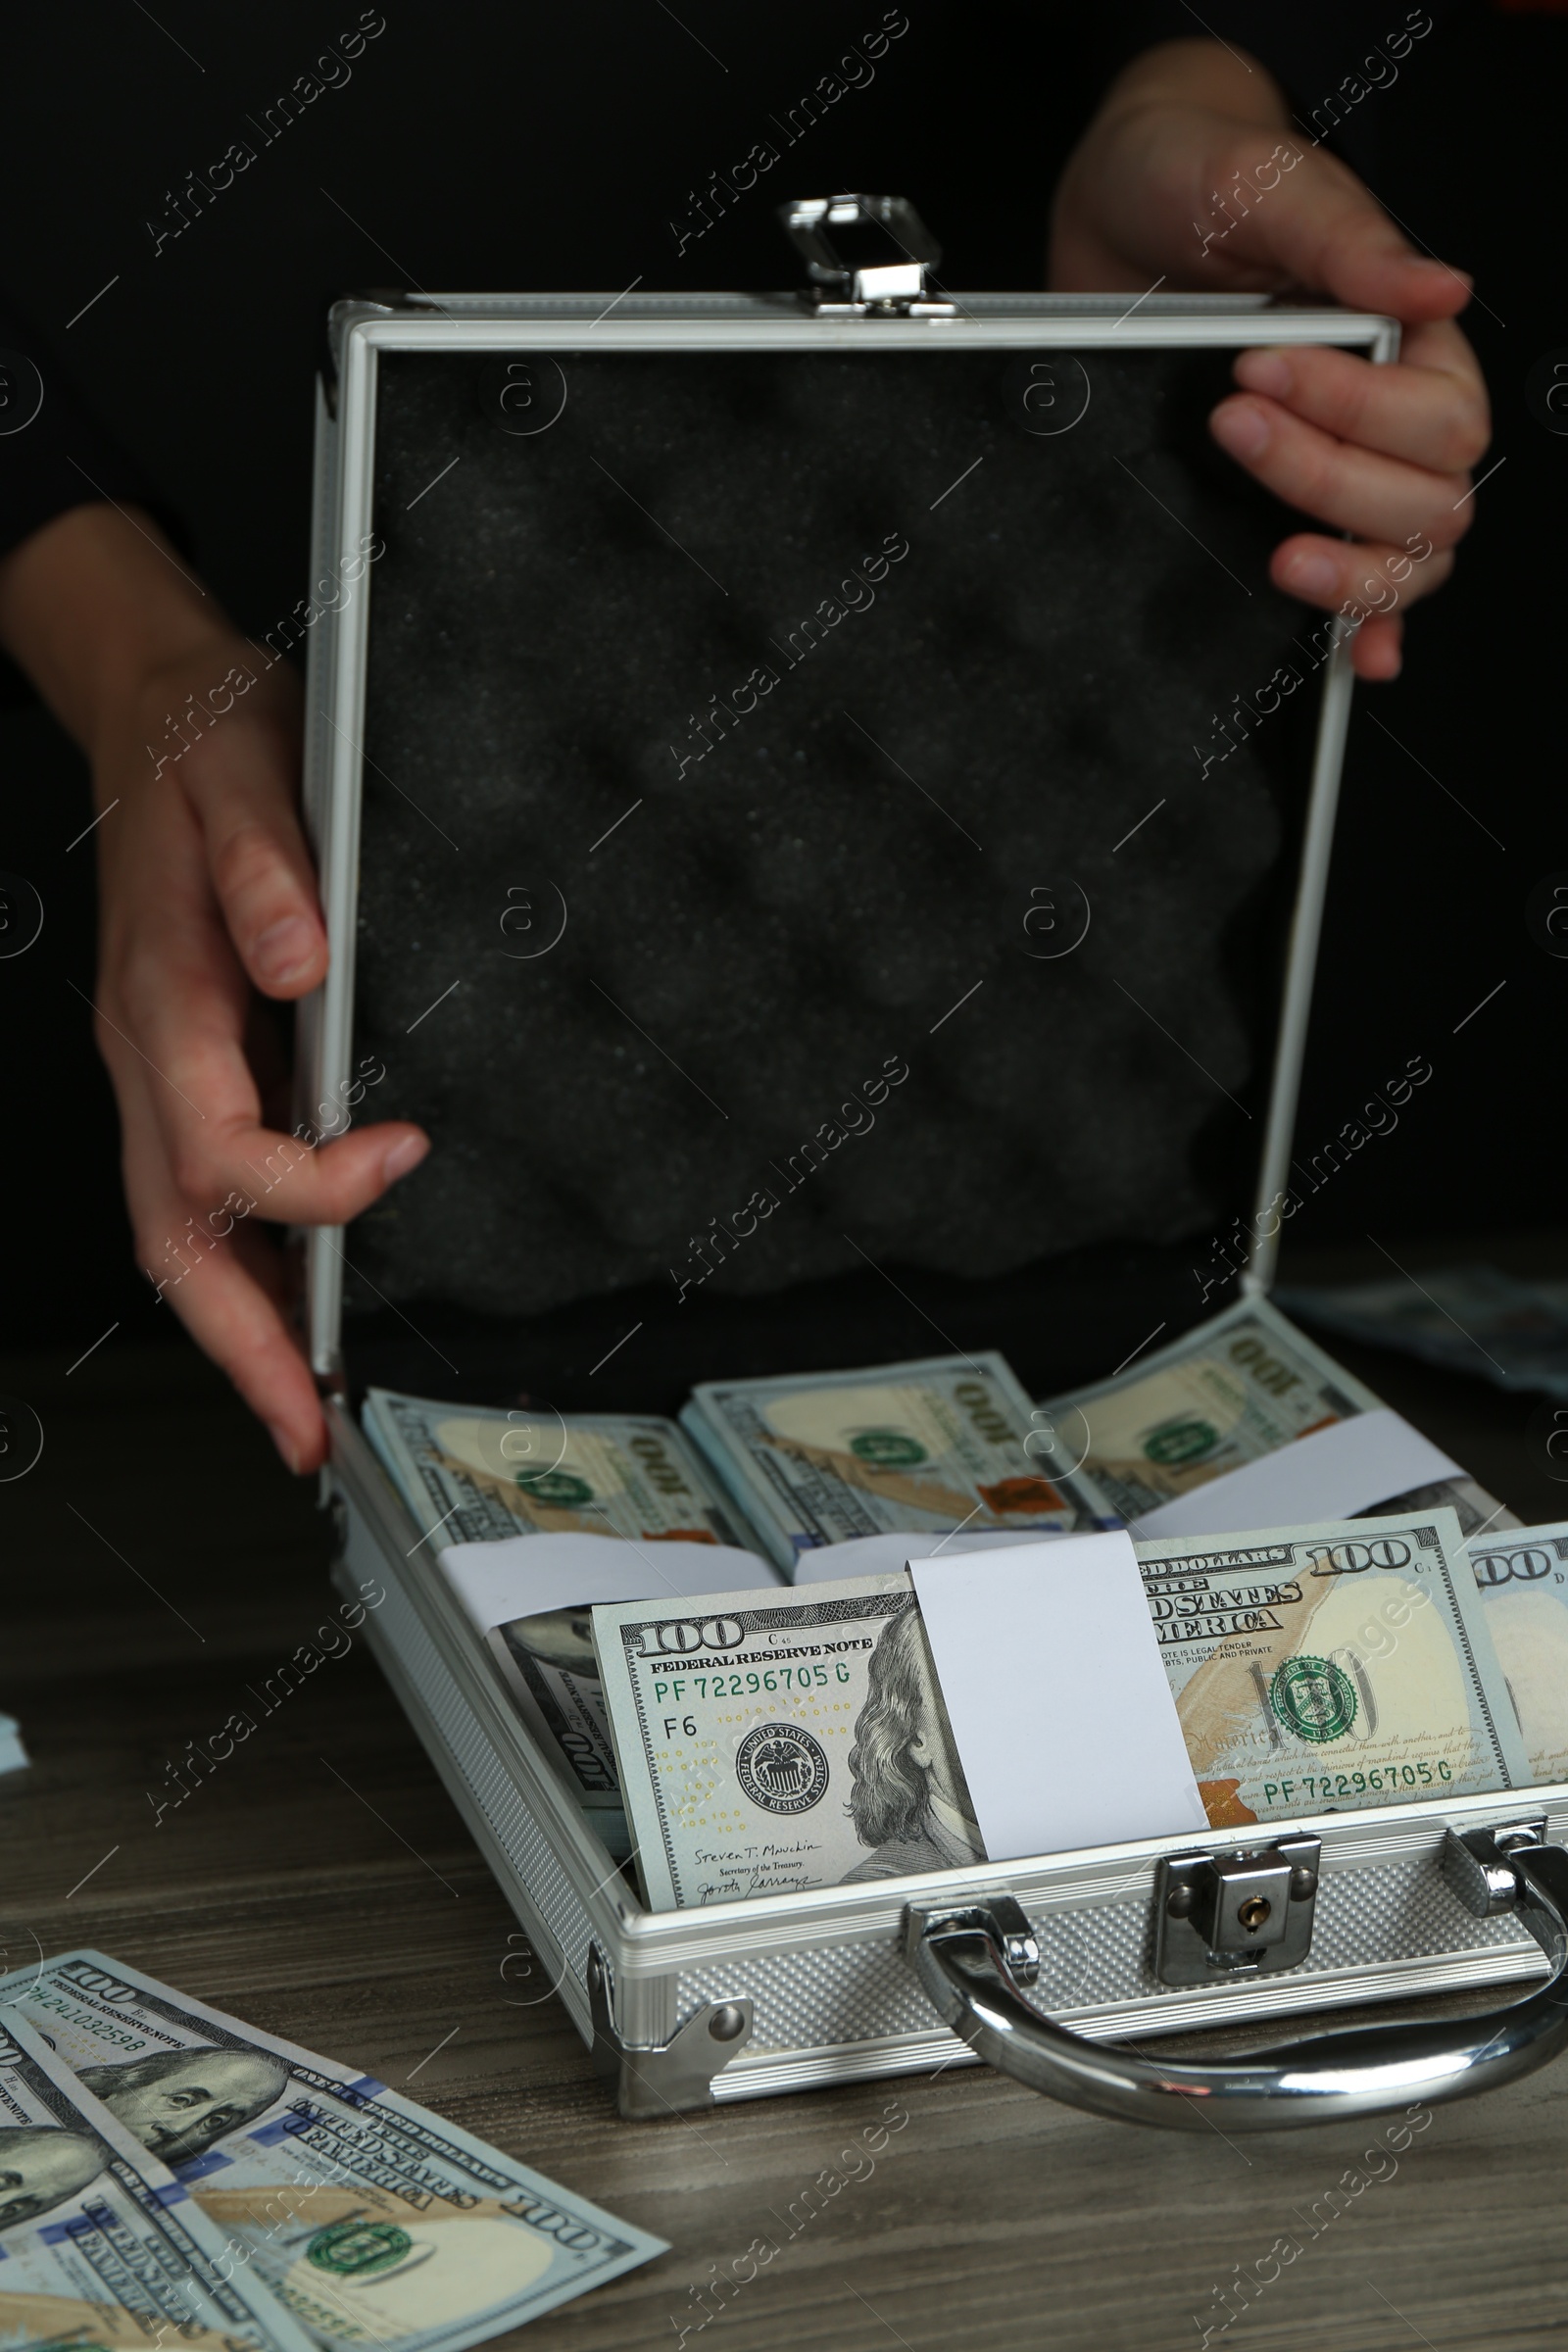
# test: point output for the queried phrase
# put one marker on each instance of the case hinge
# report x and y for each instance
(1476, 1865)
(866, 255)
(1000, 1918)
(1235, 1914)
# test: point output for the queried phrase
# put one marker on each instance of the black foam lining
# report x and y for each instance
(860, 876)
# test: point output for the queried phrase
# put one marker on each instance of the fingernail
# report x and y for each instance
(285, 1444)
(1311, 575)
(284, 951)
(404, 1155)
(1265, 371)
(1240, 427)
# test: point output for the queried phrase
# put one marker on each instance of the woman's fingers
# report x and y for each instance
(1336, 482)
(228, 1290)
(231, 1304)
(1429, 408)
(1308, 218)
(1361, 579)
(175, 995)
(202, 861)
(1371, 585)
(240, 781)
(1377, 650)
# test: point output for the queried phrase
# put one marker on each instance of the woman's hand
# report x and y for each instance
(1194, 176)
(208, 901)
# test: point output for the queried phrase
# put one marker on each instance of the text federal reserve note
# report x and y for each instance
(773, 1745)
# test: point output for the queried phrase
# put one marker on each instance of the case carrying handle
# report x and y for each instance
(970, 1961)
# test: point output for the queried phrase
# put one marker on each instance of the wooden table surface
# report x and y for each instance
(320, 1883)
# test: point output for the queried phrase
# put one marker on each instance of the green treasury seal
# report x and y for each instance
(1313, 1698)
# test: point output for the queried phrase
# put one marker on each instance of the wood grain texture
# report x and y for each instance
(159, 1563)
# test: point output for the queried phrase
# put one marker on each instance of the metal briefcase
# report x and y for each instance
(456, 571)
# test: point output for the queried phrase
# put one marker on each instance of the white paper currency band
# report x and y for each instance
(521, 1574)
(1331, 1474)
(1059, 1699)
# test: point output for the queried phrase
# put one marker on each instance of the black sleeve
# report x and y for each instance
(54, 453)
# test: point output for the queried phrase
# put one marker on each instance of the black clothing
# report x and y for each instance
(238, 176)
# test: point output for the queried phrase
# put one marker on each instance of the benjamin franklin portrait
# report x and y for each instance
(909, 1801)
(40, 2168)
(179, 2102)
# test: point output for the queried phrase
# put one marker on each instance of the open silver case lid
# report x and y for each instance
(790, 1990)
(1099, 338)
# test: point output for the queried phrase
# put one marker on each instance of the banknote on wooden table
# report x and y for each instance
(941, 1444)
(1523, 1577)
(773, 1743)
(374, 2221)
(101, 2248)
(1227, 1393)
(475, 1475)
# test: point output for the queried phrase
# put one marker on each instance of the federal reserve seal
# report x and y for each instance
(556, 1489)
(359, 2249)
(782, 1768)
(1313, 1698)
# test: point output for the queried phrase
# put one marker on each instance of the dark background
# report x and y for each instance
(474, 148)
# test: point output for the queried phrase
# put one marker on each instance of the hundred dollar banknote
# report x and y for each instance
(766, 1742)
(103, 2249)
(550, 1668)
(1333, 1667)
(932, 1446)
(1523, 1578)
(471, 1475)
(1236, 1388)
(768, 1745)
(374, 2221)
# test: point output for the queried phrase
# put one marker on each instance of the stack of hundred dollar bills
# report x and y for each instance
(932, 1446)
(475, 1475)
(1237, 1388)
(776, 1743)
(787, 1466)
(775, 1467)
(171, 2174)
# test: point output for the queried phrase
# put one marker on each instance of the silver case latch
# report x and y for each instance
(868, 257)
(1246, 1912)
